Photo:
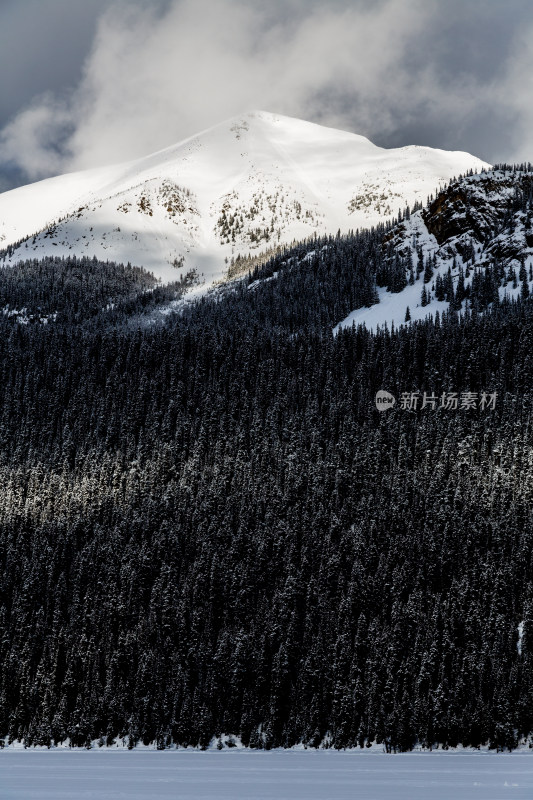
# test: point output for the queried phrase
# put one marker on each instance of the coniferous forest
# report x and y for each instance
(208, 528)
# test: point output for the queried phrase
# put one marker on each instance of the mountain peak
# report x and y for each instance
(242, 188)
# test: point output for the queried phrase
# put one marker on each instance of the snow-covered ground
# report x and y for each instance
(275, 775)
(391, 309)
(243, 187)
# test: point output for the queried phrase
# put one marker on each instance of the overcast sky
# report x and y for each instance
(90, 82)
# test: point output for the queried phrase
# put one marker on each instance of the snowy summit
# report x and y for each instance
(239, 189)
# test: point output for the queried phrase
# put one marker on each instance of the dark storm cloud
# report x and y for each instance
(86, 83)
(43, 44)
(42, 47)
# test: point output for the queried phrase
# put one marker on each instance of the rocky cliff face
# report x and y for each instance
(477, 220)
(472, 245)
(485, 217)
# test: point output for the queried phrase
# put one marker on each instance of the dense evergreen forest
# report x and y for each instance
(207, 527)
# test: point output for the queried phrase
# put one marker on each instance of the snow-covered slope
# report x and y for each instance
(472, 245)
(243, 187)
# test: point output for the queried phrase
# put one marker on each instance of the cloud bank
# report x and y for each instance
(397, 71)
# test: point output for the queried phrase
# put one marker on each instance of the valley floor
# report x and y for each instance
(253, 775)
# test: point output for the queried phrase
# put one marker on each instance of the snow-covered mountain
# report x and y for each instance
(242, 188)
(472, 245)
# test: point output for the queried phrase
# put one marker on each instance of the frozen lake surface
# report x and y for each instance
(275, 775)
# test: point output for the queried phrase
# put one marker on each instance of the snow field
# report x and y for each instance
(275, 775)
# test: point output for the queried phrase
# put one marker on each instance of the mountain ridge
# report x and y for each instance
(245, 186)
